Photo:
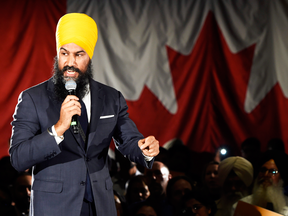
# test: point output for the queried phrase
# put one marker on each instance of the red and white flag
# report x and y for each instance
(207, 72)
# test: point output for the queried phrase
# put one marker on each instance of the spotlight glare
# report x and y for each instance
(223, 151)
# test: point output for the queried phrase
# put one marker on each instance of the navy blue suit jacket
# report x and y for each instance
(60, 170)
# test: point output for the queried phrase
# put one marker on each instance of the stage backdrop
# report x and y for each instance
(208, 72)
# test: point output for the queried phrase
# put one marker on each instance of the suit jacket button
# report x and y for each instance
(88, 159)
(82, 183)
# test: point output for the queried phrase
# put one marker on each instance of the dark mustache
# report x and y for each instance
(263, 179)
(71, 68)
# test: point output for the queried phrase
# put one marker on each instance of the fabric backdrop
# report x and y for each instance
(208, 72)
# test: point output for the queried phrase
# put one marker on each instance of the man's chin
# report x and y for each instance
(67, 78)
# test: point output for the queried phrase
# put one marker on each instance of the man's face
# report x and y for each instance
(72, 62)
(211, 176)
(233, 185)
(269, 174)
(72, 55)
(179, 189)
(22, 192)
(158, 178)
(197, 208)
(139, 192)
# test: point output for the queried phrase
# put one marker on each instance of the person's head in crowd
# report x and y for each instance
(276, 144)
(176, 189)
(210, 179)
(250, 148)
(163, 155)
(272, 177)
(179, 157)
(210, 175)
(144, 208)
(127, 168)
(137, 190)
(119, 203)
(157, 179)
(235, 175)
(5, 201)
(198, 202)
(21, 191)
(7, 172)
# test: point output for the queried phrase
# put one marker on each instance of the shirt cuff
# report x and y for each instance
(58, 139)
(147, 158)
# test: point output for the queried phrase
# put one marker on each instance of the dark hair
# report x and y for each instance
(276, 144)
(172, 182)
(135, 179)
(252, 142)
(203, 197)
(133, 209)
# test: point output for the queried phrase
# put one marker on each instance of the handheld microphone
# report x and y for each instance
(70, 86)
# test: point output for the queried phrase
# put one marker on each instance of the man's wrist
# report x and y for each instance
(53, 133)
(147, 158)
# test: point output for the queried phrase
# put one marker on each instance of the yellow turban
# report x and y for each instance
(77, 28)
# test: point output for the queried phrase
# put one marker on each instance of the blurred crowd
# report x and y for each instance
(181, 182)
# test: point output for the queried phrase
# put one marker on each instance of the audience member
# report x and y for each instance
(5, 201)
(180, 160)
(120, 204)
(250, 150)
(210, 180)
(21, 191)
(157, 180)
(126, 170)
(276, 144)
(144, 208)
(198, 202)
(7, 172)
(235, 176)
(177, 188)
(137, 190)
(163, 155)
(268, 186)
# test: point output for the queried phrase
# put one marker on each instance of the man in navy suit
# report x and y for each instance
(70, 169)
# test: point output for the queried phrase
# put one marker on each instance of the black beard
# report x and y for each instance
(59, 80)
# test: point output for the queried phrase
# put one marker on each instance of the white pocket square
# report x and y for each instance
(107, 116)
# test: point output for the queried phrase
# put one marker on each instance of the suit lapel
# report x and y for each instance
(55, 102)
(97, 98)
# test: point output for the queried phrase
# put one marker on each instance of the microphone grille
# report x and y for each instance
(70, 85)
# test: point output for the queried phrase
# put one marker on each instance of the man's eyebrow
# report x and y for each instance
(63, 49)
(68, 51)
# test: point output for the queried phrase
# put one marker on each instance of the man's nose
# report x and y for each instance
(71, 60)
(267, 173)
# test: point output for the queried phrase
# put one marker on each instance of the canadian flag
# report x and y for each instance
(207, 72)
